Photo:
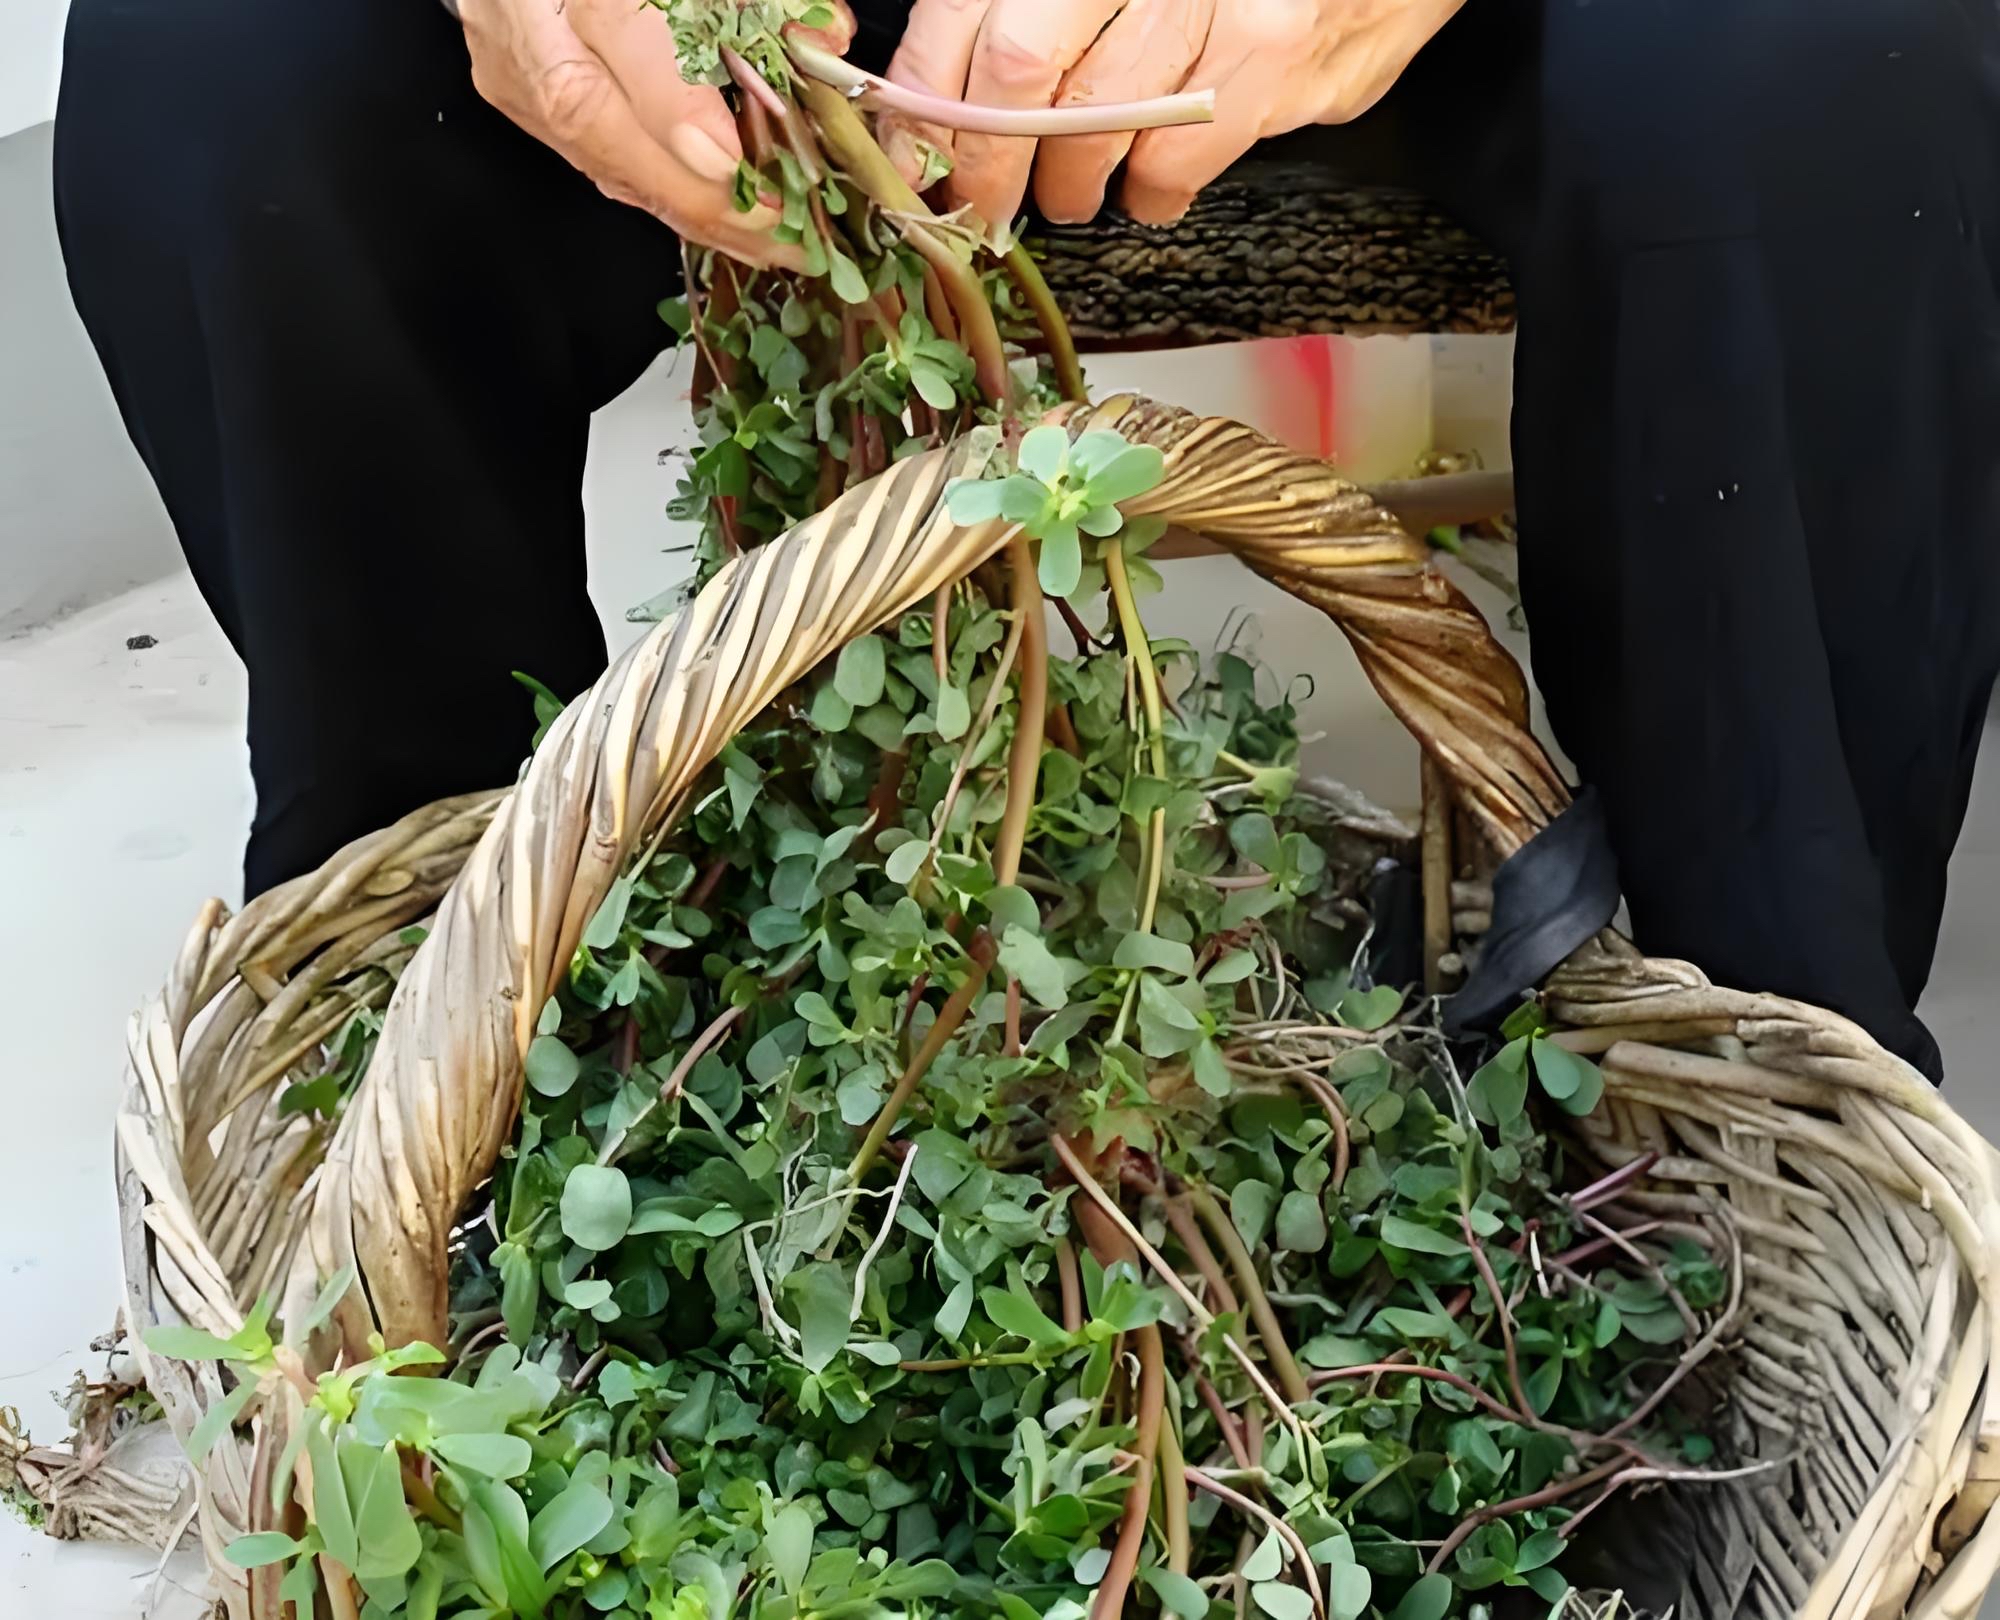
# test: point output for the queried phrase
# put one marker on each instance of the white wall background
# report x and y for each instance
(79, 519)
(1456, 389)
(30, 43)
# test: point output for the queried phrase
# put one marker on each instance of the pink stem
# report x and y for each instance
(1187, 107)
(1605, 1186)
(1596, 1246)
(752, 83)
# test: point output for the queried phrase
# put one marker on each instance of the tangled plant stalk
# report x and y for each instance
(966, 1170)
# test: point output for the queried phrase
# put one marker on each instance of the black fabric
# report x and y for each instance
(1756, 399)
(356, 323)
(1395, 951)
(1550, 898)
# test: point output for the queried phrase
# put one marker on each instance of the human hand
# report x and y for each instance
(1275, 65)
(597, 80)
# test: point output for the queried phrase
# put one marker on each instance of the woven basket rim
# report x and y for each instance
(510, 879)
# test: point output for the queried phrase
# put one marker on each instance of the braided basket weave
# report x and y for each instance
(1855, 1212)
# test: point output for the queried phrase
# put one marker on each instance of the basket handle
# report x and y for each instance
(438, 1102)
(1423, 645)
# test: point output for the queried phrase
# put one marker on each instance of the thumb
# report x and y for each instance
(691, 120)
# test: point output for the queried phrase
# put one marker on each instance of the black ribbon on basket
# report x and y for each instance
(1550, 897)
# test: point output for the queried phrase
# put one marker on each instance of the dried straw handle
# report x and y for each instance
(439, 1100)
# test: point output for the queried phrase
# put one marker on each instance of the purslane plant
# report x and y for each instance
(967, 1169)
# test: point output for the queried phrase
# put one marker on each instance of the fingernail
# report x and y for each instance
(1081, 202)
(701, 152)
(1074, 215)
(1152, 205)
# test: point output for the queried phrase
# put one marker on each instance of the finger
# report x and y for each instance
(1146, 50)
(686, 185)
(664, 145)
(1168, 167)
(1164, 176)
(935, 55)
(637, 46)
(1025, 47)
(1356, 75)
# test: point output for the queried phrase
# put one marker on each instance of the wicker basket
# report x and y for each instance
(1856, 1212)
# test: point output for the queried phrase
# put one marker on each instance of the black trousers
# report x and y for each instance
(356, 323)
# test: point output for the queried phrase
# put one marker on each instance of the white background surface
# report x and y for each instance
(30, 46)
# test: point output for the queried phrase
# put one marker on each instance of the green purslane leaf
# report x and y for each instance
(596, 1206)
(1137, 951)
(1498, 1090)
(572, 1518)
(1168, 1027)
(1128, 472)
(497, 1548)
(217, 1421)
(974, 500)
(1251, 1206)
(498, 1456)
(330, 1296)
(332, 1519)
(860, 671)
(788, 1546)
(605, 924)
(1026, 501)
(386, 1537)
(823, 1294)
(1370, 1010)
(262, 1548)
(550, 1067)
(1211, 1069)
(954, 712)
(1023, 956)
(1574, 1082)
(181, 1343)
(1428, 1598)
(1348, 1589)
(1100, 522)
(1059, 560)
(1017, 1314)
(1044, 453)
(1267, 1559)
(846, 277)
(753, 1370)
(1416, 1238)
(933, 384)
(1177, 1594)
(1301, 1223)
(301, 1587)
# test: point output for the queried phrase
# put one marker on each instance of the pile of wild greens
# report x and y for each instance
(966, 1170)
(884, 1238)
